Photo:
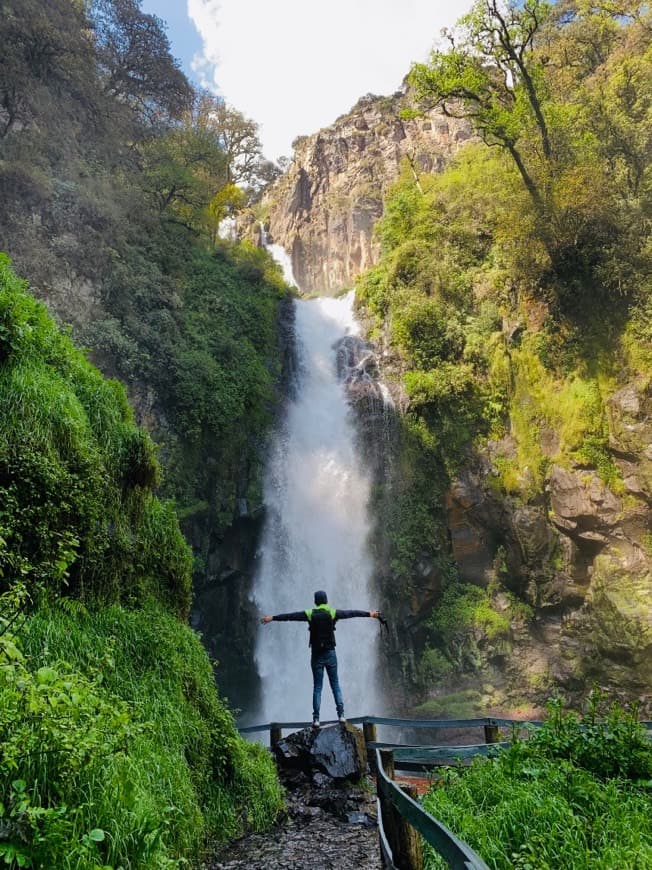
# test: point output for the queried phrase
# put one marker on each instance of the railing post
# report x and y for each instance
(410, 855)
(491, 734)
(369, 732)
(387, 812)
(403, 840)
(275, 734)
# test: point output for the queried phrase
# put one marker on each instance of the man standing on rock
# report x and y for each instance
(321, 623)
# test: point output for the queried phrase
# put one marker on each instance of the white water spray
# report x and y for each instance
(316, 531)
(280, 255)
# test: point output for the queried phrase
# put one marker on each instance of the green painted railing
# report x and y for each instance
(396, 807)
(455, 852)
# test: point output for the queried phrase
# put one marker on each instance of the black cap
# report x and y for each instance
(321, 597)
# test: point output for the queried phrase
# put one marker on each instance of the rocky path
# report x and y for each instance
(327, 827)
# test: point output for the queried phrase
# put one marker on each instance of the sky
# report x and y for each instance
(294, 66)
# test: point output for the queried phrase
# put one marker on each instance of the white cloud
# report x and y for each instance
(294, 65)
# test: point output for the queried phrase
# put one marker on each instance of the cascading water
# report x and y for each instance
(280, 255)
(316, 529)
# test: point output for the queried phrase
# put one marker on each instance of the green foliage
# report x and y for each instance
(116, 748)
(465, 704)
(464, 622)
(433, 668)
(513, 288)
(606, 740)
(576, 794)
(428, 331)
(573, 122)
(412, 518)
(76, 474)
(130, 211)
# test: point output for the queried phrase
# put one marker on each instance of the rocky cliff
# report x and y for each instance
(579, 554)
(323, 210)
(566, 564)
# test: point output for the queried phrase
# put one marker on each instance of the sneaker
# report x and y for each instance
(315, 723)
(341, 719)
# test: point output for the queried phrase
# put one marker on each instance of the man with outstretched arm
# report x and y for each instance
(321, 621)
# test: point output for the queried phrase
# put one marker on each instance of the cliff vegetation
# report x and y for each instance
(116, 749)
(512, 304)
(114, 176)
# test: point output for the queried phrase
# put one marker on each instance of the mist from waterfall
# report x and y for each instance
(316, 530)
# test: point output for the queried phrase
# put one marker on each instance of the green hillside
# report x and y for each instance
(513, 302)
(116, 750)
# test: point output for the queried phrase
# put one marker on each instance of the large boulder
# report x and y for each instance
(338, 752)
(610, 638)
(582, 506)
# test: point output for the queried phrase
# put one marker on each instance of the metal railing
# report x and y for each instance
(400, 816)
(397, 809)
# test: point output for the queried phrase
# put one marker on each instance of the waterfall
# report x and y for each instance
(316, 529)
(280, 255)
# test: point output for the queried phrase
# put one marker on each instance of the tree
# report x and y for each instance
(227, 201)
(492, 75)
(236, 135)
(539, 81)
(184, 168)
(46, 57)
(134, 56)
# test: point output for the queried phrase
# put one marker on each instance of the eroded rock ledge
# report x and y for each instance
(323, 210)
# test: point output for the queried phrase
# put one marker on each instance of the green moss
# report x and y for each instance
(647, 543)
(77, 476)
(466, 627)
(433, 668)
(466, 704)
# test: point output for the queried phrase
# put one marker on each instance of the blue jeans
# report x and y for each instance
(318, 662)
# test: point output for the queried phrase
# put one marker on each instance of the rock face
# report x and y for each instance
(578, 553)
(323, 210)
(337, 752)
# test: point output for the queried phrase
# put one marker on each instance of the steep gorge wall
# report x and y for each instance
(576, 552)
(565, 562)
(323, 210)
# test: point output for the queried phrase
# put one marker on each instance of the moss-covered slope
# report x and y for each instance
(515, 333)
(116, 749)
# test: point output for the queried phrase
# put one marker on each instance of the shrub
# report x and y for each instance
(574, 795)
(116, 748)
(76, 474)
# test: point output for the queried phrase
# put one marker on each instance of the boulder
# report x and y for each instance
(610, 638)
(582, 506)
(337, 751)
(630, 419)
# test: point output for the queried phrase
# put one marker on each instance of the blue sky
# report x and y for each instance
(184, 37)
(293, 66)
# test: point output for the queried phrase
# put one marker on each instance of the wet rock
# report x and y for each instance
(337, 752)
(470, 528)
(610, 638)
(358, 818)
